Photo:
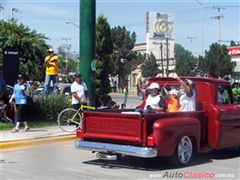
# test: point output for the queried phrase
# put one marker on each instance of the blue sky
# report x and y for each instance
(49, 17)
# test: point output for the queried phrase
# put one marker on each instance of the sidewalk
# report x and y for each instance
(35, 136)
(44, 135)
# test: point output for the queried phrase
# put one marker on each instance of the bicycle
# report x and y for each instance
(70, 119)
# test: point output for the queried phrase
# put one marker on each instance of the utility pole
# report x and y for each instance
(191, 38)
(66, 57)
(87, 47)
(167, 69)
(202, 6)
(218, 18)
(161, 51)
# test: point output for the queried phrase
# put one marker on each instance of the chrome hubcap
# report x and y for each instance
(185, 149)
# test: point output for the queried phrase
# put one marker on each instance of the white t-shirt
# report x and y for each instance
(80, 90)
(187, 103)
(152, 101)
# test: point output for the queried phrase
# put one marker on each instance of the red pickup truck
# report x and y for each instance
(214, 125)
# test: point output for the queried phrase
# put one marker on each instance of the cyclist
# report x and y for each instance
(79, 92)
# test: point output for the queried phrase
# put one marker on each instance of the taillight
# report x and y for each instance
(150, 141)
(79, 133)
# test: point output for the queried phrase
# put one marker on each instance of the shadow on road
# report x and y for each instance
(222, 154)
(163, 163)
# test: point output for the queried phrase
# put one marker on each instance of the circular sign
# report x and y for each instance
(93, 65)
(161, 26)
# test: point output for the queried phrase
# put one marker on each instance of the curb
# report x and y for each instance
(20, 144)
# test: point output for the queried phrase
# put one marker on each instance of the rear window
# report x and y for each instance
(223, 94)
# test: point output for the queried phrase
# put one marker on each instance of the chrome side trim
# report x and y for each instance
(144, 152)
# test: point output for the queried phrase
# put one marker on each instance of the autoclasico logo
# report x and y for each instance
(11, 52)
(192, 175)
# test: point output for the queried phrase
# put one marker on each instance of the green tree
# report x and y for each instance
(30, 45)
(72, 63)
(104, 48)
(150, 67)
(123, 59)
(185, 62)
(232, 43)
(217, 62)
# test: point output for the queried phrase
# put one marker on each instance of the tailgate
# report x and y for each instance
(105, 126)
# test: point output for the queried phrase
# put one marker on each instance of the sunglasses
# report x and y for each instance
(154, 90)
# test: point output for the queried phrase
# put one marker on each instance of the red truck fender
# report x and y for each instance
(168, 131)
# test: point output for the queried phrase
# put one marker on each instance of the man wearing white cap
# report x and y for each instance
(154, 101)
(51, 62)
(187, 97)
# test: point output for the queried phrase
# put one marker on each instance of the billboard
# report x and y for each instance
(160, 25)
(234, 51)
(10, 65)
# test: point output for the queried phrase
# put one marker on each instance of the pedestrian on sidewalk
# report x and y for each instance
(79, 92)
(125, 92)
(51, 62)
(20, 94)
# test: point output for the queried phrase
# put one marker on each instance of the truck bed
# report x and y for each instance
(112, 126)
(125, 127)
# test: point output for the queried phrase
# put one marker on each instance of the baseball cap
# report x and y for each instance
(153, 86)
(190, 83)
(173, 92)
(77, 75)
(50, 50)
(19, 76)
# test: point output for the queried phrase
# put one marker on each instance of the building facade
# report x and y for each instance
(234, 52)
(160, 42)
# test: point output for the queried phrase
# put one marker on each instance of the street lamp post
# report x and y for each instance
(191, 39)
(202, 6)
(69, 22)
(161, 51)
(66, 57)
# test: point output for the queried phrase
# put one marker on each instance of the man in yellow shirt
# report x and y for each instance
(51, 62)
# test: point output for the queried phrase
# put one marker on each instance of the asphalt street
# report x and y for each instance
(132, 101)
(65, 162)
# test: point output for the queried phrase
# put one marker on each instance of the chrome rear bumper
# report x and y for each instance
(144, 152)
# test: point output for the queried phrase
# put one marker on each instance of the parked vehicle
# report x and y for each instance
(63, 88)
(214, 125)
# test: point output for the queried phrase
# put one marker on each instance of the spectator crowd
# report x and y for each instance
(157, 99)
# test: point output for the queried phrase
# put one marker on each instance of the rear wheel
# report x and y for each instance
(69, 120)
(183, 153)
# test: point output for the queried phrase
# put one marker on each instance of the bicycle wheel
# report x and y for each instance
(69, 120)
